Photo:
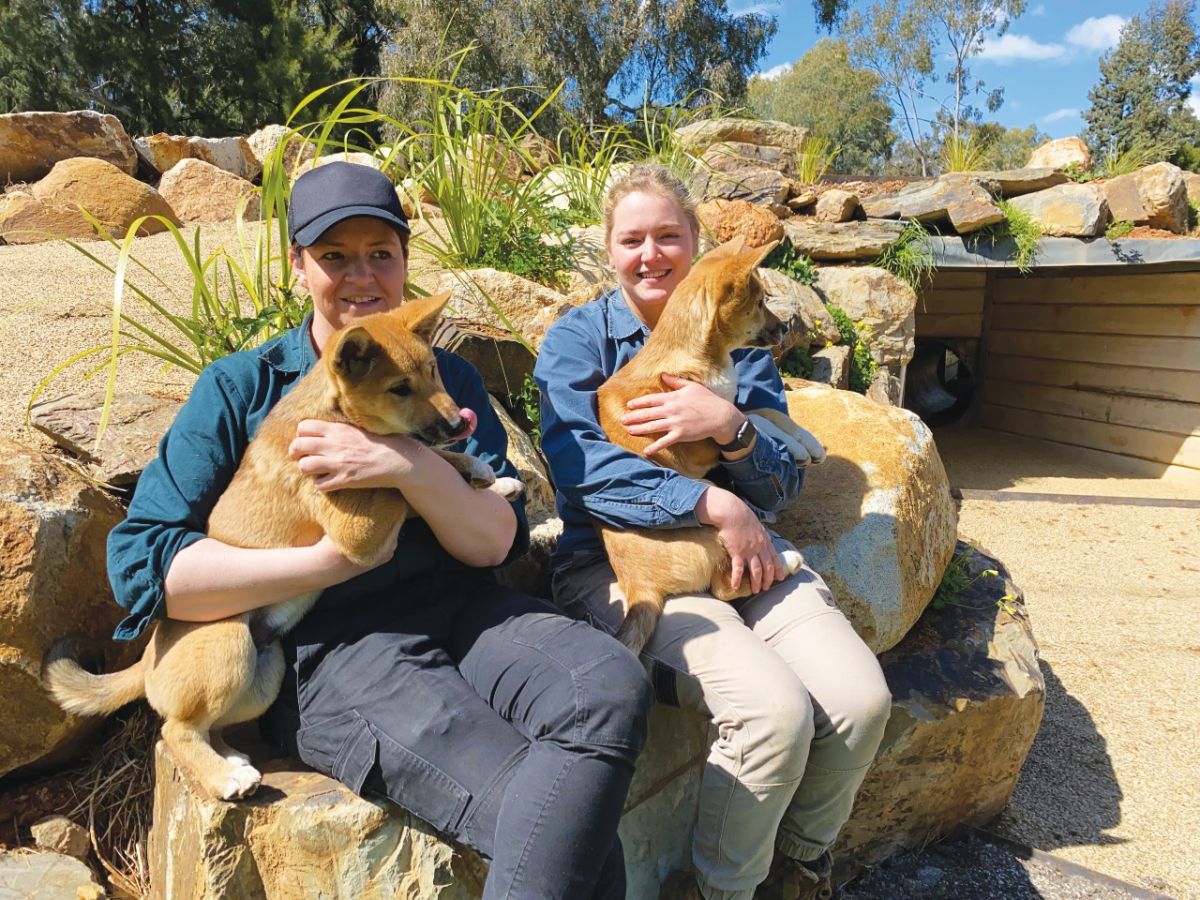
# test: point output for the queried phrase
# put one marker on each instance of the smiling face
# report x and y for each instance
(651, 247)
(356, 268)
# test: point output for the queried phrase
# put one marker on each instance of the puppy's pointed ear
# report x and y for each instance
(421, 314)
(354, 353)
(761, 253)
(731, 247)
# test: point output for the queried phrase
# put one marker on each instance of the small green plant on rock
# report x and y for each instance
(795, 265)
(856, 336)
(797, 362)
(526, 402)
(1193, 219)
(1026, 234)
(1077, 173)
(1118, 229)
(910, 256)
(957, 579)
(815, 160)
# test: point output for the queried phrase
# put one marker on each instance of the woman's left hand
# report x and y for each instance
(338, 455)
(686, 411)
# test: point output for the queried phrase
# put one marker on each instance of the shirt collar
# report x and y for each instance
(622, 323)
(292, 351)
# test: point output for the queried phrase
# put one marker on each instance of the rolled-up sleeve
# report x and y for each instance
(612, 484)
(175, 494)
(768, 477)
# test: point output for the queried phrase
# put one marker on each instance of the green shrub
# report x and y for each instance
(795, 265)
(1018, 226)
(526, 404)
(910, 257)
(817, 157)
(1118, 229)
(797, 362)
(963, 153)
(1193, 221)
(858, 338)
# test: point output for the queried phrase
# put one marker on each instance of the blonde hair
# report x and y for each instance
(650, 178)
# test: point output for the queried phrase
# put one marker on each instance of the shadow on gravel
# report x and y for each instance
(1068, 793)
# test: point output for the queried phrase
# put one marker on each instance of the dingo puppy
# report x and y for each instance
(378, 373)
(717, 308)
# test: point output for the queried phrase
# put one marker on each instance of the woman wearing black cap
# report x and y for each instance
(502, 723)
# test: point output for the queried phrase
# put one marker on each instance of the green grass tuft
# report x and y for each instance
(1118, 229)
(795, 265)
(910, 258)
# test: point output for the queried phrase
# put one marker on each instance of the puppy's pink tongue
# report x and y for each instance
(470, 421)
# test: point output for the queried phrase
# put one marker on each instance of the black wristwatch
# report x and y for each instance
(744, 438)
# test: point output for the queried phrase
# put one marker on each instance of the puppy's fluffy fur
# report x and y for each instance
(378, 373)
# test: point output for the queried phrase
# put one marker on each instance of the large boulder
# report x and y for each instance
(841, 240)
(267, 139)
(590, 270)
(1068, 210)
(1058, 154)
(1155, 195)
(1014, 182)
(799, 307)
(54, 203)
(741, 181)
(876, 519)
(46, 876)
(836, 205)
(490, 297)
(201, 192)
(959, 198)
(699, 136)
(32, 142)
(730, 155)
(727, 219)
(163, 152)
(967, 700)
(53, 528)
(881, 302)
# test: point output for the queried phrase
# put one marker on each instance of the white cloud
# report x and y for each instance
(1039, 10)
(1018, 47)
(1067, 112)
(775, 71)
(1194, 102)
(1097, 33)
(756, 9)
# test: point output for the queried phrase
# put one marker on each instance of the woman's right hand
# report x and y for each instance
(750, 547)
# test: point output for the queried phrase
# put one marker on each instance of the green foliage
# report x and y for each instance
(836, 100)
(1145, 82)
(38, 68)
(963, 152)
(856, 336)
(510, 242)
(1020, 227)
(787, 259)
(1116, 161)
(957, 579)
(816, 159)
(910, 257)
(1193, 221)
(797, 362)
(1077, 173)
(1118, 229)
(1006, 148)
(526, 403)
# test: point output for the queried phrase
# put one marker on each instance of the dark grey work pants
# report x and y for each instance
(484, 711)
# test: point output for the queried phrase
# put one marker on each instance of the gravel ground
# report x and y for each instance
(1113, 781)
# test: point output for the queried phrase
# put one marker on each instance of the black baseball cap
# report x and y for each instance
(328, 194)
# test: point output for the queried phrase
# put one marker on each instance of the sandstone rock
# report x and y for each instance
(53, 528)
(483, 294)
(726, 219)
(801, 198)
(267, 139)
(32, 142)
(350, 156)
(748, 182)
(882, 302)
(841, 240)
(502, 360)
(699, 136)
(1014, 182)
(234, 155)
(51, 206)
(1069, 210)
(590, 268)
(200, 192)
(1192, 182)
(540, 153)
(831, 366)
(304, 835)
(967, 699)
(800, 308)
(729, 156)
(836, 205)
(46, 876)
(61, 835)
(1155, 195)
(959, 198)
(884, 388)
(539, 492)
(876, 519)
(1062, 152)
(136, 423)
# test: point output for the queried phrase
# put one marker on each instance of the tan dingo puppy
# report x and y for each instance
(719, 307)
(377, 373)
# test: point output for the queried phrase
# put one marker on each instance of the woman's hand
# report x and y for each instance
(686, 411)
(750, 547)
(338, 455)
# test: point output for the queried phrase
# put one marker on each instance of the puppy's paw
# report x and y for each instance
(508, 488)
(235, 757)
(479, 474)
(241, 781)
(793, 561)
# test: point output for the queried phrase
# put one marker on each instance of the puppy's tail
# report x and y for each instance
(641, 618)
(82, 693)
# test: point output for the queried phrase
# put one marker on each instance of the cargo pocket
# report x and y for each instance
(343, 747)
(420, 786)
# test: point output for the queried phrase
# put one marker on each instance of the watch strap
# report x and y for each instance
(744, 438)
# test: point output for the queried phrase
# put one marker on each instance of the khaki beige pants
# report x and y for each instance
(797, 701)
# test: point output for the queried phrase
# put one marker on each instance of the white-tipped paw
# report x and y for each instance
(793, 561)
(241, 781)
(508, 488)
(236, 757)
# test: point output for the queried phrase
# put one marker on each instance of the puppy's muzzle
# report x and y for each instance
(446, 431)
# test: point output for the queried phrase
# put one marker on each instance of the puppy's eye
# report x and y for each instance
(401, 390)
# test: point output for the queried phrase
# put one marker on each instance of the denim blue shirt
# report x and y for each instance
(597, 479)
(203, 447)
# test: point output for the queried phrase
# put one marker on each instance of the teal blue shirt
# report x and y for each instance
(203, 447)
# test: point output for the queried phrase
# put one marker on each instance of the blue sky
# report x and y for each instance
(1046, 61)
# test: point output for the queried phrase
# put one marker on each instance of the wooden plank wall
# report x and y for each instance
(951, 306)
(1107, 362)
